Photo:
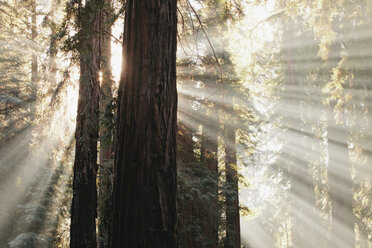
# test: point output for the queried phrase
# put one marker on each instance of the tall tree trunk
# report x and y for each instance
(106, 131)
(144, 207)
(84, 201)
(208, 156)
(232, 180)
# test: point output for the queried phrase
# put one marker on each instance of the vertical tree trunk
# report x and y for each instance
(232, 180)
(208, 156)
(84, 201)
(106, 131)
(144, 207)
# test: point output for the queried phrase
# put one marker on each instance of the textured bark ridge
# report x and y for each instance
(84, 201)
(144, 208)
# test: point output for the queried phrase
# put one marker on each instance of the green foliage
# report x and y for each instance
(195, 187)
(271, 79)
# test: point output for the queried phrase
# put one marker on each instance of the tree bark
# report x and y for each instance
(106, 131)
(232, 180)
(84, 201)
(144, 201)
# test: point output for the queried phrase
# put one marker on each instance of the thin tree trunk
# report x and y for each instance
(208, 156)
(232, 180)
(144, 207)
(106, 132)
(84, 201)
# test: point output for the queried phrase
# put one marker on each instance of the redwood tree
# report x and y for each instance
(208, 157)
(232, 179)
(144, 201)
(106, 128)
(84, 201)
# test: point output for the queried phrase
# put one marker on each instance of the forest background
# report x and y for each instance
(273, 129)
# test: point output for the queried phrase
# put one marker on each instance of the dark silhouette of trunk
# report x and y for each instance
(106, 131)
(84, 201)
(144, 206)
(232, 180)
(208, 156)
